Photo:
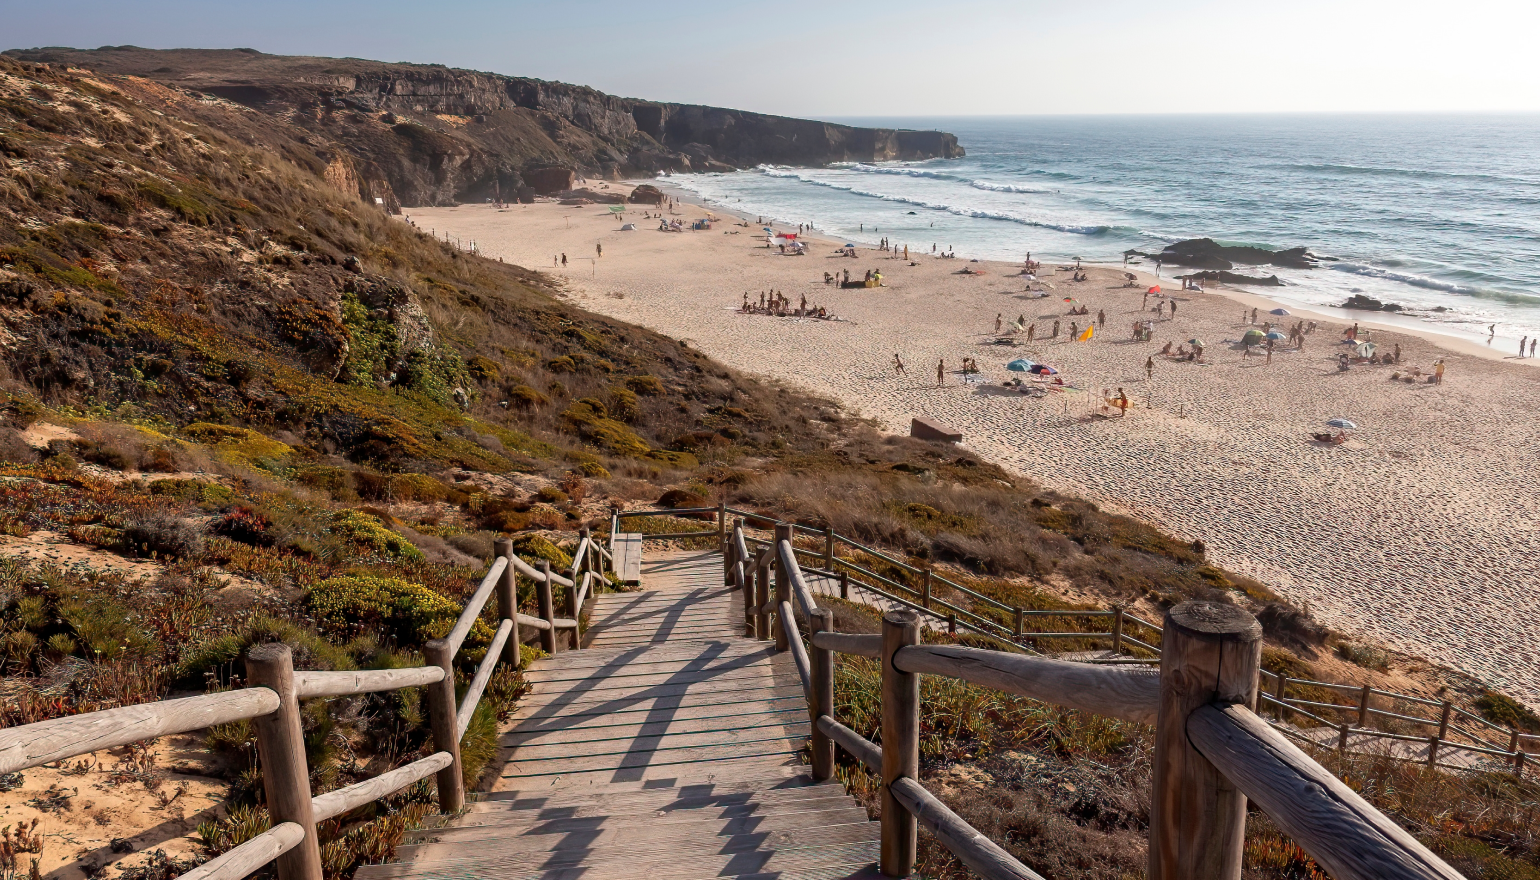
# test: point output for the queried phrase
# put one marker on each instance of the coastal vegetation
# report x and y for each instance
(240, 406)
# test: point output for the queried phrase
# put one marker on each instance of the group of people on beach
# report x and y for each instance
(777, 305)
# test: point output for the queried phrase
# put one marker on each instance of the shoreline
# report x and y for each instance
(1417, 534)
(1454, 341)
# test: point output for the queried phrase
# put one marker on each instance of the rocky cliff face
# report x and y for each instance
(430, 135)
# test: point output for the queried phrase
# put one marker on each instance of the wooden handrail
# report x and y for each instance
(794, 643)
(677, 511)
(57, 739)
(1340, 830)
(483, 675)
(529, 571)
(798, 583)
(849, 643)
(246, 859)
(859, 747)
(676, 536)
(339, 801)
(1118, 692)
(473, 606)
(313, 684)
(982, 855)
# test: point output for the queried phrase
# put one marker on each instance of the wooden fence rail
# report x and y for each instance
(1212, 750)
(272, 702)
(1450, 729)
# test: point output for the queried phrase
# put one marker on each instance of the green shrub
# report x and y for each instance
(647, 386)
(532, 548)
(390, 607)
(1500, 709)
(368, 533)
(551, 495)
(225, 652)
(193, 490)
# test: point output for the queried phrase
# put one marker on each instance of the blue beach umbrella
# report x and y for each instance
(1275, 335)
(1279, 312)
(1020, 365)
(1343, 424)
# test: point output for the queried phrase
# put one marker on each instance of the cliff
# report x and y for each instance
(431, 135)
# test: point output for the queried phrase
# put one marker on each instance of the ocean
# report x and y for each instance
(1440, 214)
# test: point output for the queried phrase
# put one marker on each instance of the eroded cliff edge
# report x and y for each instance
(413, 134)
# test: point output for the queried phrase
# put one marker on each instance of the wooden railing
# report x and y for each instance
(1125, 634)
(1212, 751)
(272, 701)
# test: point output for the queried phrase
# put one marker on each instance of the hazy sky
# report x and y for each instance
(901, 58)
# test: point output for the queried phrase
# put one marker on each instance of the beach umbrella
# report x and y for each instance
(1020, 365)
(1155, 289)
(1198, 342)
(1344, 424)
(1070, 299)
(848, 244)
(1279, 312)
(1275, 335)
(1251, 334)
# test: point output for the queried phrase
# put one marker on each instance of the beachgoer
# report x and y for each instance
(1269, 351)
(564, 261)
(940, 371)
(1055, 329)
(1253, 316)
(1532, 344)
(1074, 330)
(1101, 317)
(999, 322)
(1149, 365)
(1438, 372)
(1144, 303)
(1397, 354)
(598, 249)
(1173, 310)
(1031, 331)
(1167, 348)
(898, 366)
(1522, 343)
(1122, 403)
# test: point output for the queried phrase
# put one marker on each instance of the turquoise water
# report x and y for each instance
(1438, 213)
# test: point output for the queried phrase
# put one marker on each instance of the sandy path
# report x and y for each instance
(1423, 534)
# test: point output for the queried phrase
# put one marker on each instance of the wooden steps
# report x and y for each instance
(669, 749)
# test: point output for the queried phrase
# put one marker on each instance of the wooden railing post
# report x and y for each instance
(582, 565)
(571, 599)
(727, 556)
(1363, 706)
(1210, 653)
(828, 548)
(821, 700)
(951, 623)
(281, 743)
(1443, 732)
(925, 591)
(443, 718)
(900, 743)
(1279, 692)
(1117, 629)
(761, 599)
(844, 585)
(547, 607)
(1021, 619)
(783, 532)
(508, 600)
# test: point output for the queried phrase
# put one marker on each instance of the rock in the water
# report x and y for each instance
(1205, 253)
(1369, 304)
(1232, 278)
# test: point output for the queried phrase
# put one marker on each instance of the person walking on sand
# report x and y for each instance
(941, 372)
(898, 366)
(1173, 309)
(1031, 331)
(1438, 372)
(1397, 355)
(999, 322)
(1269, 351)
(1074, 329)
(1055, 330)
(1253, 316)
(1532, 344)
(1122, 400)
(1101, 318)
(1149, 365)
(1522, 343)
(564, 261)
(598, 249)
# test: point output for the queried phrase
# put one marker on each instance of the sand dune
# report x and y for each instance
(1423, 533)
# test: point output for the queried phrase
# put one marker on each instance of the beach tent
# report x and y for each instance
(1087, 333)
(1020, 365)
(1279, 312)
(1042, 370)
(1155, 289)
(629, 227)
(1365, 349)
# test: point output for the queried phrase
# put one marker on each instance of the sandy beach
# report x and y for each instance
(1422, 532)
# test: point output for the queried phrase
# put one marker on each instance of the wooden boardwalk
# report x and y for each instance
(667, 749)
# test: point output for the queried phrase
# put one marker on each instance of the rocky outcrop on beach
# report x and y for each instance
(1224, 277)
(646, 194)
(1363, 303)
(1205, 253)
(433, 135)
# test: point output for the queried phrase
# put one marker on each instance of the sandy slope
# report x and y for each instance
(1422, 533)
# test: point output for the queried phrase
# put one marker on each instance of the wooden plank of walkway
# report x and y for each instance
(627, 554)
(669, 749)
